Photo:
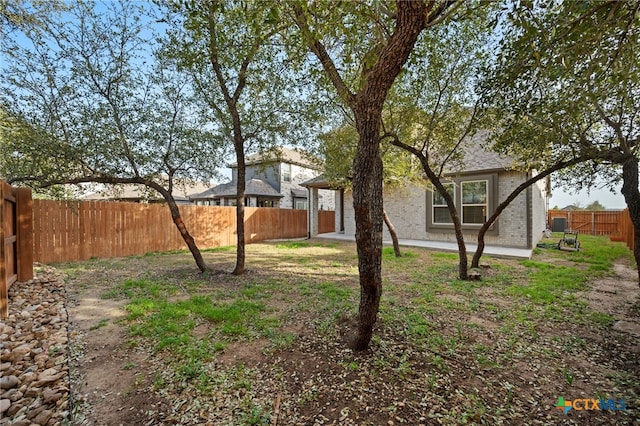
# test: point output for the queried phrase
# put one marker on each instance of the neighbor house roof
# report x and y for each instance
(281, 155)
(319, 182)
(299, 193)
(137, 192)
(254, 187)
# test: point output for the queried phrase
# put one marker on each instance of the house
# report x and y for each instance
(136, 193)
(273, 179)
(481, 180)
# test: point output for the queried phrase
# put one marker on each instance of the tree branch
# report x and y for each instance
(321, 53)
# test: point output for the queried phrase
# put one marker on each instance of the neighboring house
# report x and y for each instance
(136, 193)
(273, 179)
(484, 179)
(570, 208)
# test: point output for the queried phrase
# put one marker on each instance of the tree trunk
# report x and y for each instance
(240, 191)
(632, 198)
(392, 232)
(463, 267)
(367, 204)
(367, 180)
(475, 262)
(186, 236)
(367, 104)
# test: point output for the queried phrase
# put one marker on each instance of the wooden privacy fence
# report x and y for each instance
(16, 243)
(625, 230)
(70, 231)
(326, 221)
(603, 222)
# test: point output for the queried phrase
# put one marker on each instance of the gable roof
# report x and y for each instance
(477, 158)
(280, 155)
(134, 192)
(254, 187)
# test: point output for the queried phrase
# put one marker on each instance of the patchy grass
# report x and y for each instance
(496, 351)
(99, 324)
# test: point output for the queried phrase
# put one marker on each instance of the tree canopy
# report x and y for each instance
(566, 85)
(101, 107)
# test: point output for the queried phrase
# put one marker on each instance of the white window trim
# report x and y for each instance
(287, 167)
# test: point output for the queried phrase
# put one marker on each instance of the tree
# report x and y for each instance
(568, 81)
(21, 143)
(371, 54)
(595, 206)
(104, 109)
(431, 113)
(441, 117)
(338, 149)
(232, 51)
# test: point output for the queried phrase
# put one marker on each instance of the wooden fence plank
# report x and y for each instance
(326, 221)
(81, 230)
(16, 244)
(589, 222)
(626, 231)
(24, 228)
(4, 287)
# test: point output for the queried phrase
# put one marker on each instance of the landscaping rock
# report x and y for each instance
(34, 385)
(8, 382)
(4, 405)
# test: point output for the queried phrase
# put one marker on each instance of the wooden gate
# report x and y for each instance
(16, 240)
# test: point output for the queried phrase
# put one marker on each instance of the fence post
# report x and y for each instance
(24, 228)
(4, 288)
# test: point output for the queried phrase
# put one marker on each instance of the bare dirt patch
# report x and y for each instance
(439, 356)
(618, 296)
(110, 378)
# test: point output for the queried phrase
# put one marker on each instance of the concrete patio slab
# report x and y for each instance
(505, 252)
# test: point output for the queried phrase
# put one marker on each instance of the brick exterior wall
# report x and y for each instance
(539, 198)
(299, 174)
(406, 208)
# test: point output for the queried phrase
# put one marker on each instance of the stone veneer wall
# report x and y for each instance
(406, 208)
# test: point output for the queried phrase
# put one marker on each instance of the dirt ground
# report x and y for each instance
(113, 381)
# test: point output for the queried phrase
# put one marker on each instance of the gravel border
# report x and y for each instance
(34, 353)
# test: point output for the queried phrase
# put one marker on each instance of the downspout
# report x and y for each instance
(308, 213)
(342, 210)
(529, 214)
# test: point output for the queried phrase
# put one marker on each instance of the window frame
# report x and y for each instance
(463, 204)
(435, 193)
(492, 202)
(286, 172)
(297, 200)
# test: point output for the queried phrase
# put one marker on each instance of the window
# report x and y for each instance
(474, 197)
(262, 202)
(286, 172)
(300, 204)
(474, 201)
(440, 209)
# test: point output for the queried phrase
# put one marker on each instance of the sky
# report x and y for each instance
(562, 197)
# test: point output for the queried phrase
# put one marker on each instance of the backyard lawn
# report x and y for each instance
(155, 342)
